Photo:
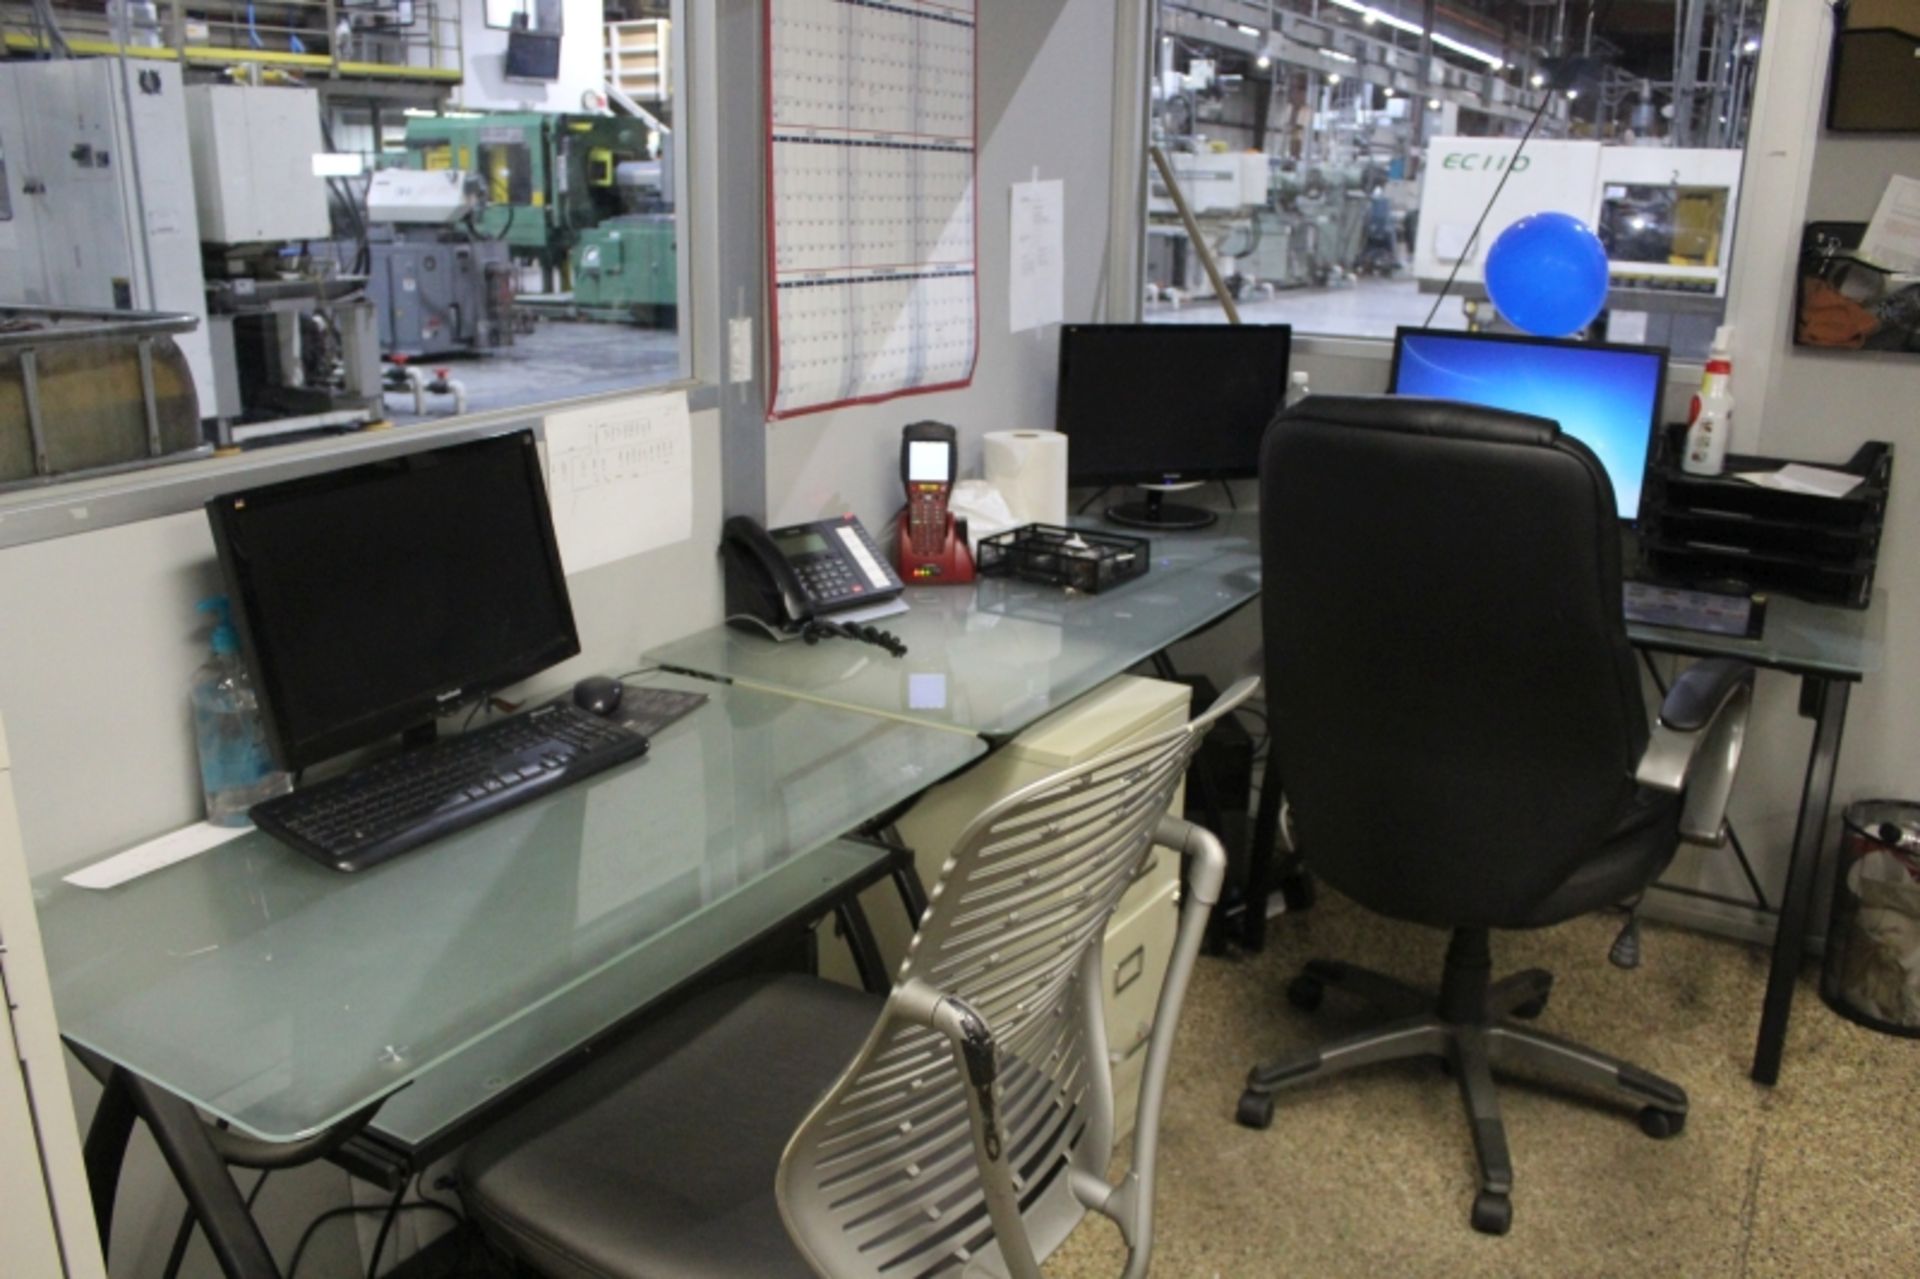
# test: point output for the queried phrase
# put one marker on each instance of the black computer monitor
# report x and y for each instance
(372, 597)
(1603, 394)
(532, 56)
(1164, 404)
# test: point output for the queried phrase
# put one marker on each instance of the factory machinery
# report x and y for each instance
(131, 191)
(583, 197)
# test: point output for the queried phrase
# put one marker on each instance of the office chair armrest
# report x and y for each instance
(1694, 749)
(977, 1058)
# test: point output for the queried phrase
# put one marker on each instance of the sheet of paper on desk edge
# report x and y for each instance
(1893, 236)
(1814, 481)
(155, 854)
(620, 479)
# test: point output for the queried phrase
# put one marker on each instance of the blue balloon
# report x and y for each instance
(1548, 274)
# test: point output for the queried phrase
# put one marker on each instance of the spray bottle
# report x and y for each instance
(1710, 420)
(236, 767)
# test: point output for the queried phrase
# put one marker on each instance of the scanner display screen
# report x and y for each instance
(1143, 403)
(1606, 396)
(371, 597)
(929, 462)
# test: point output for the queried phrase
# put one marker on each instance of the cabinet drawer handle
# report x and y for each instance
(1130, 969)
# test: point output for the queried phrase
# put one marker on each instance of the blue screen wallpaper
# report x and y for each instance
(1605, 399)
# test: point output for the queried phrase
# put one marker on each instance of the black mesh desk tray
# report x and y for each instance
(1078, 559)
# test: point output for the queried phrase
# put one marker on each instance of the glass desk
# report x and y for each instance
(992, 658)
(1831, 649)
(285, 998)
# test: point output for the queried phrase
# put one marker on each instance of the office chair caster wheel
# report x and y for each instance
(1531, 1009)
(1492, 1214)
(1661, 1124)
(1255, 1110)
(1306, 992)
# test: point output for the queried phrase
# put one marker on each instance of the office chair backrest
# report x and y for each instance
(1455, 708)
(884, 1178)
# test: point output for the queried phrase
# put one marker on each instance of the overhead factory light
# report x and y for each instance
(1370, 15)
(1538, 80)
(1572, 94)
(1333, 77)
(1433, 104)
(1263, 62)
(1751, 46)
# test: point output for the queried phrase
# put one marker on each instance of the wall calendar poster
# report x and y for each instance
(871, 205)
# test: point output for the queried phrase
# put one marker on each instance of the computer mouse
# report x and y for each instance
(598, 694)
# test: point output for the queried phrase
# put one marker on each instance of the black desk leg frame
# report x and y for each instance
(1825, 702)
(196, 1166)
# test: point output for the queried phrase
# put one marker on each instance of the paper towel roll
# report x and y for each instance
(1030, 470)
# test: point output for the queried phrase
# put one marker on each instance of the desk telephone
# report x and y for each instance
(787, 582)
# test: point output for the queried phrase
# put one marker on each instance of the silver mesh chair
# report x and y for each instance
(971, 1131)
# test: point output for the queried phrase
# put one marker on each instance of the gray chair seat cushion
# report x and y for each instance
(659, 1160)
(1637, 849)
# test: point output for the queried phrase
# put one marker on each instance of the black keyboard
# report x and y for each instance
(362, 818)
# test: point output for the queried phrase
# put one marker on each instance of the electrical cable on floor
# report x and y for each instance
(353, 1210)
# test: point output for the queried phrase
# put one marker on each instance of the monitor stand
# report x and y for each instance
(1158, 513)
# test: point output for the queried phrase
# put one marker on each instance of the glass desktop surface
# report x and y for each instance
(993, 657)
(1799, 637)
(283, 996)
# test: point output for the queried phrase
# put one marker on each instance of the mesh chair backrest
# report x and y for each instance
(881, 1179)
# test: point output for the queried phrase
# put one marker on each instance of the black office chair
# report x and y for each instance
(1459, 724)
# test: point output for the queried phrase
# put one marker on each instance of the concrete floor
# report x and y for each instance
(559, 358)
(1365, 307)
(1373, 1174)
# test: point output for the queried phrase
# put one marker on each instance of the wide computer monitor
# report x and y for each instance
(1603, 394)
(1166, 404)
(370, 598)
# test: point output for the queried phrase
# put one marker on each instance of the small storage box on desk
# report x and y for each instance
(1721, 532)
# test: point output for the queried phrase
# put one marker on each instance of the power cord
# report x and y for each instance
(815, 631)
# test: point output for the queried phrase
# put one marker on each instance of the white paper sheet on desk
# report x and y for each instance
(1893, 237)
(620, 479)
(1814, 481)
(155, 854)
(1037, 289)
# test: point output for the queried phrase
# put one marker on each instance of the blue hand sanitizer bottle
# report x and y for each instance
(236, 766)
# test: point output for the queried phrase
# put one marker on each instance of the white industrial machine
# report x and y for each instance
(1665, 212)
(253, 150)
(1140, 937)
(423, 197)
(98, 194)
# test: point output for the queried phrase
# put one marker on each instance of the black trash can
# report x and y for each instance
(1872, 970)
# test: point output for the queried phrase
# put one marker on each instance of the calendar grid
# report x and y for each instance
(871, 199)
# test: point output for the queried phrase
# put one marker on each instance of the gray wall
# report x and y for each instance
(1046, 104)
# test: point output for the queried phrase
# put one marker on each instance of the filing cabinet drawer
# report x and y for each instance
(1139, 946)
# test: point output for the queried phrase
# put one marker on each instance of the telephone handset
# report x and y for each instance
(789, 581)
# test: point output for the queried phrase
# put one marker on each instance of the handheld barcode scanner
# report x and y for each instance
(932, 544)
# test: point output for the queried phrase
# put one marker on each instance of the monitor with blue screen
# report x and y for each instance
(1604, 395)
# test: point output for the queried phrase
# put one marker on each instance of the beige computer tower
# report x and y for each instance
(46, 1221)
(1139, 941)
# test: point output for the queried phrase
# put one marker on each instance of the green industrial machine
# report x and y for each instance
(628, 269)
(580, 195)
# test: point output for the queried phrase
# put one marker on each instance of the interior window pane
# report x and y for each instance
(328, 218)
(1338, 155)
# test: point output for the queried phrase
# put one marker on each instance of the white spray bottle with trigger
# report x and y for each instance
(1710, 419)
